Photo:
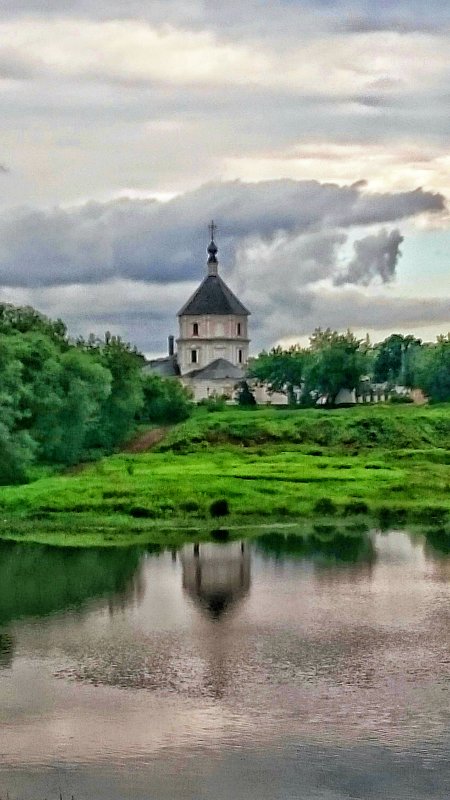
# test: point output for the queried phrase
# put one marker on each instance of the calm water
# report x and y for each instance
(235, 672)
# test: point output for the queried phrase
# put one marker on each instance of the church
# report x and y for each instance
(212, 347)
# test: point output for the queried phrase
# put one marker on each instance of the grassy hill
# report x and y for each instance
(264, 466)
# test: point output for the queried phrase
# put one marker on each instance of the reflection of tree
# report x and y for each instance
(36, 580)
(438, 540)
(6, 650)
(216, 576)
(327, 548)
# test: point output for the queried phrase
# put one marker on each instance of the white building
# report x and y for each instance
(213, 343)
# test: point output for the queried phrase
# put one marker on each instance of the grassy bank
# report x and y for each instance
(389, 464)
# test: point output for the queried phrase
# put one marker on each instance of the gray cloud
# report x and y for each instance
(163, 242)
(146, 314)
(3, 170)
(376, 256)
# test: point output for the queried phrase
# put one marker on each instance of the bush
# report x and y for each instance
(245, 396)
(400, 399)
(219, 508)
(214, 403)
(325, 506)
(165, 400)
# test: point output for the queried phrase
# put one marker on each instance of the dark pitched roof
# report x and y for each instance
(213, 297)
(164, 367)
(220, 369)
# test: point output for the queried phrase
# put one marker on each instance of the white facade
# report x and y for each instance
(207, 337)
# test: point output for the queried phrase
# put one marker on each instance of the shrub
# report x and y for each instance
(219, 508)
(400, 399)
(325, 506)
(245, 396)
(213, 403)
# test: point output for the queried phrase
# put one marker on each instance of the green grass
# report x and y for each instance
(271, 466)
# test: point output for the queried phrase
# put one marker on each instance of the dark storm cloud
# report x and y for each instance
(163, 242)
(376, 256)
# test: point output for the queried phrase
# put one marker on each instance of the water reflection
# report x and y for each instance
(221, 666)
(36, 580)
(216, 576)
(6, 650)
(326, 547)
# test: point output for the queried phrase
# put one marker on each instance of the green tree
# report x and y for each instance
(337, 362)
(432, 369)
(281, 370)
(165, 400)
(22, 319)
(394, 359)
(124, 401)
(245, 396)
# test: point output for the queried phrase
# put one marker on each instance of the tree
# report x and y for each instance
(337, 362)
(393, 359)
(245, 396)
(124, 401)
(281, 370)
(165, 400)
(432, 369)
(22, 319)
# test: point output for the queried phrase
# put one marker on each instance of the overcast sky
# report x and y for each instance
(316, 133)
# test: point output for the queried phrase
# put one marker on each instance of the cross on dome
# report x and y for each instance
(212, 249)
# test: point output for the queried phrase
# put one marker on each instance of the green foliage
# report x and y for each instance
(333, 361)
(433, 370)
(165, 401)
(213, 403)
(125, 400)
(62, 402)
(337, 362)
(23, 319)
(260, 464)
(394, 358)
(245, 397)
(281, 370)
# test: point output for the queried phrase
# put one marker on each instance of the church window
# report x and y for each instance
(239, 329)
(193, 356)
(195, 329)
(240, 356)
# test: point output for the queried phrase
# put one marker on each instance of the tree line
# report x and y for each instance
(335, 361)
(63, 401)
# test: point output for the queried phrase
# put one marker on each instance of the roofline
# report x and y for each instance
(214, 314)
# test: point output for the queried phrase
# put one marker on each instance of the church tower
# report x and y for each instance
(213, 327)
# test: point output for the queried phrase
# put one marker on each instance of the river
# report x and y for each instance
(262, 670)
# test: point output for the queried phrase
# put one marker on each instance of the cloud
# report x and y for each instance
(386, 166)
(163, 242)
(134, 50)
(145, 314)
(3, 170)
(375, 256)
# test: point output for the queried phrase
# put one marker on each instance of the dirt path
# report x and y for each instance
(145, 441)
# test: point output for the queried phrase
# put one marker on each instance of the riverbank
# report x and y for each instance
(241, 469)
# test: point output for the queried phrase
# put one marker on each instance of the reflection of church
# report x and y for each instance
(216, 576)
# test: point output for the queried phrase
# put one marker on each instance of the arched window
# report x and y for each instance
(239, 329)
(193, 356)
(195, 329)
(240, 356)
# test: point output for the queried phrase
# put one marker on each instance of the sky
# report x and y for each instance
(315, 133)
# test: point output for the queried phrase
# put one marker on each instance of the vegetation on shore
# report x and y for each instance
(240, 468)
(63, 401)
